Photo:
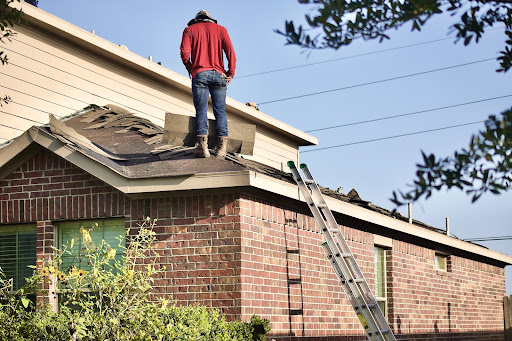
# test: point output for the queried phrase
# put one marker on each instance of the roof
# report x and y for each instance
(127, 152)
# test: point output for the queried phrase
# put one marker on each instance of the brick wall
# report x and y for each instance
(466, 300)
(286, 277)
(251, 254)
(198, 236)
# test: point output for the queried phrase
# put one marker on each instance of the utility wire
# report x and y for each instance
(353, 56)
(393, 137)
(408, 114)
(378, 81)
(485, 239)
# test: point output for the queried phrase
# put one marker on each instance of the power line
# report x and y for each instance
(486, 239)
(393, 137)
(407, 114)
(353, 56)
(338, 59)
(375, 82)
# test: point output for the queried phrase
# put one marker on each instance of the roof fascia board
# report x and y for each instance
(16, 154)
(103, 47)
(185, 183)
(10, 151)
(289, 190)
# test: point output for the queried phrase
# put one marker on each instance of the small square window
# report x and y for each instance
(441, 262)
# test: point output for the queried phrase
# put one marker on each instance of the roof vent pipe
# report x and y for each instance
(92, 31)
(150, 58)
(447, 227)
(410, 212)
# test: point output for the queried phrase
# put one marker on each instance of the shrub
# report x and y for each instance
(111, 300)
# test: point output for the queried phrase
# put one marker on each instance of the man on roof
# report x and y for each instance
(202, 48)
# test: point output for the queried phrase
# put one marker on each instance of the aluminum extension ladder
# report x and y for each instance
(342, 260)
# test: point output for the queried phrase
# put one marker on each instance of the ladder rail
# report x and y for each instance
(342, 259)
(364, 290)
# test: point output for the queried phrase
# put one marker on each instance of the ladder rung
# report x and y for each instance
(308, 181)
(346, 255)
(295, 312)
(359, 280)
(385, 331)
(321, 205)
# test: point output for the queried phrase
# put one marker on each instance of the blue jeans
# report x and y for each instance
(212, 83)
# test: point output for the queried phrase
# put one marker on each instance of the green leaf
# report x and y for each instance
(25, 301)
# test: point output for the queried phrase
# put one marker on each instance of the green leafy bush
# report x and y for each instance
(111, 300)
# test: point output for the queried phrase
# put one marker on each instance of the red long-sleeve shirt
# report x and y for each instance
(201, 49)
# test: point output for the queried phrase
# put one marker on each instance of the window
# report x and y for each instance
(17, 252)
(380, 278)
(441, 262)
(70, 233)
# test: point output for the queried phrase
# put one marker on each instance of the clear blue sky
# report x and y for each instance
(154, 28)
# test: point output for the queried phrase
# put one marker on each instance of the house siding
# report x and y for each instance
(50, 75)
(256, 254)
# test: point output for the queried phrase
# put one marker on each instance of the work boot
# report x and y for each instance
(202, 146)
(220, 149)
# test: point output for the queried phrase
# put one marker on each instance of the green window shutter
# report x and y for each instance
(108, 230)
(17, 252)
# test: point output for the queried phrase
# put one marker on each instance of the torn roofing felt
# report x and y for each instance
(132, 146)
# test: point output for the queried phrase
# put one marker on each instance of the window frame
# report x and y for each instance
(382, 301)
(87, 224)
(119, 222)
(446, 261)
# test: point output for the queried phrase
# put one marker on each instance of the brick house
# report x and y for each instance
(232, 233)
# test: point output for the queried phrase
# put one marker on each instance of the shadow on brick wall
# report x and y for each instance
(294, 276)
(470, 336)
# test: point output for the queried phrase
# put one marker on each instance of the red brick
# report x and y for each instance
(229, 251)
(56, 179)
